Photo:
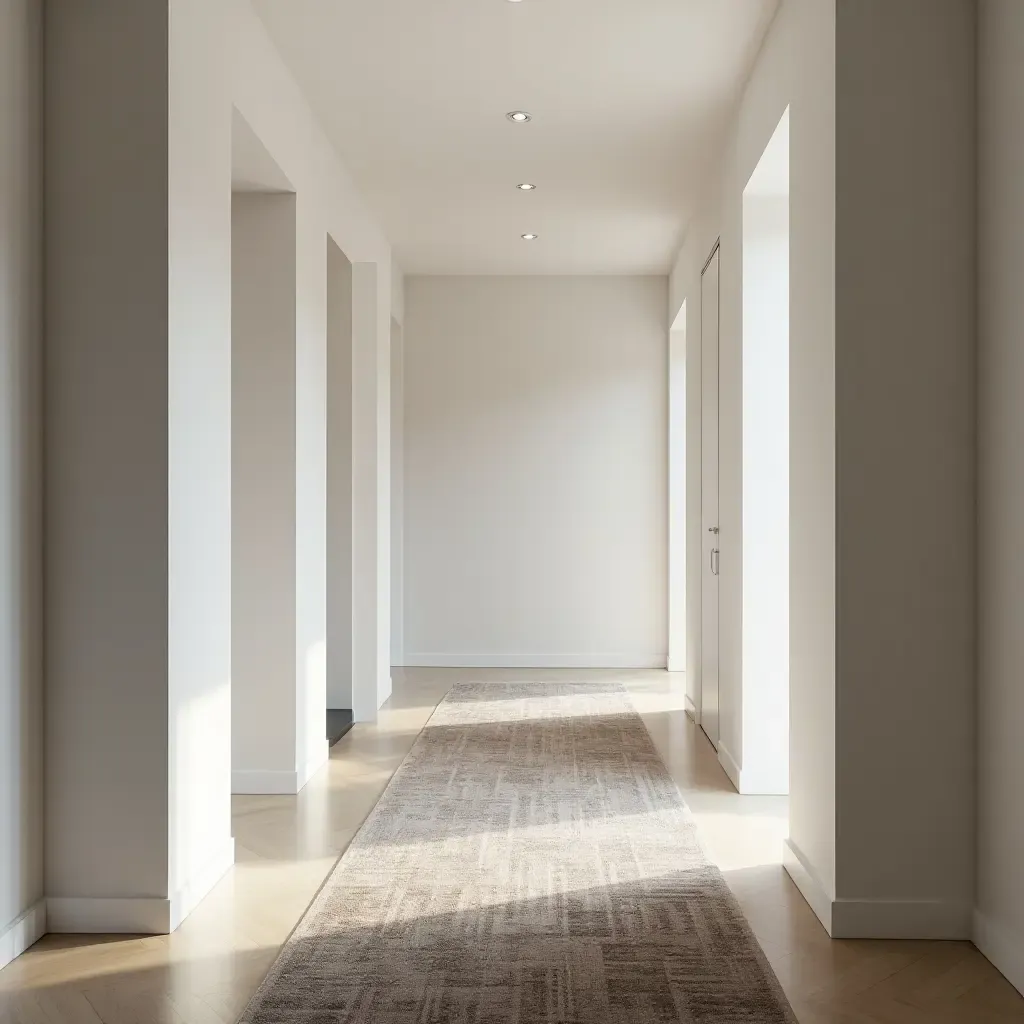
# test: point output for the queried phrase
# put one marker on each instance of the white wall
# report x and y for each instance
(138, 701)
(397, 494)
(765, 625)
(535, 471)
(999, 921)
(679, 526)
(263, 90)
(198, 437)
(881, 499)
(21, 681)
(796, 68)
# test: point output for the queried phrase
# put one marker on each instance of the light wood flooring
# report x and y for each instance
(206, 971)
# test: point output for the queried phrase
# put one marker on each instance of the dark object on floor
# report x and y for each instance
(338, 723)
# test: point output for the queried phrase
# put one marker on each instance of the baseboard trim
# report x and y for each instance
(691, 710)
(23, 932)
(748, 781)
(1001, 945)
(875, 919)
(900, 919)
(139, 915)
(675, 664)
(267, 782)
(82, 915)
(540, 661)
(732, 769)
(807, 881)
(751, 780)
(190, 895)
(264, 783)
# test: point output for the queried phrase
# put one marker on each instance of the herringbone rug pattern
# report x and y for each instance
(532, 862)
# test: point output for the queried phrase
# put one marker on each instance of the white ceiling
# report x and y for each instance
(629, 101)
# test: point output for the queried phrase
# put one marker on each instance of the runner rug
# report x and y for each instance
(531, 862)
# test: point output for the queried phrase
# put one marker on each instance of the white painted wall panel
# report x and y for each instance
(535, 455)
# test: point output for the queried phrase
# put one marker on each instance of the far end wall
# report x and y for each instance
(535, 471)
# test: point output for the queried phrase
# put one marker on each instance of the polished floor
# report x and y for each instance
(206, 971)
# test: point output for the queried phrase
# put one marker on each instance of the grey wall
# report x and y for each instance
(107, 450)
(905, 460)
(999, 921)
(263, 478)
(21, 698)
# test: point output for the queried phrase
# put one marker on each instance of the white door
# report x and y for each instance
(709, 498)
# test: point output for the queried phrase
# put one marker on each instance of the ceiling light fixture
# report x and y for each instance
(529, 237)
(519, 116)
(526, 187)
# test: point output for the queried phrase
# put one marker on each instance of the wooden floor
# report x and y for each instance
(205, 972)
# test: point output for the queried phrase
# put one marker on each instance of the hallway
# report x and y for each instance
(206, 972)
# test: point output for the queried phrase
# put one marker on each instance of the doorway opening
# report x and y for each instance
(766, 447)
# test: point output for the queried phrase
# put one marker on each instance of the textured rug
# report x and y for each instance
(531, 862)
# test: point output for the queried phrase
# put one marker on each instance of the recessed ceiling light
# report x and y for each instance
(519, 116)
(529, 237)
(526, 187)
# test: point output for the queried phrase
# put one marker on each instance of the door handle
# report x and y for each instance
(715, 559)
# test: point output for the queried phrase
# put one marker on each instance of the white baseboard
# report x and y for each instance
(141, 916)
(900, 919)
(23, 932)
(272, 782)
(1003, 946)
(691, 710)
(755, 780)
(732, 769)
(197, 888)
(264, 783)
(675, 664)
(805, 879)
(749, 781)
(538, 661)
(876, 919)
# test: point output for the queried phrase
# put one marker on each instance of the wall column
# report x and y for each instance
(270, 663)
(138, 464)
